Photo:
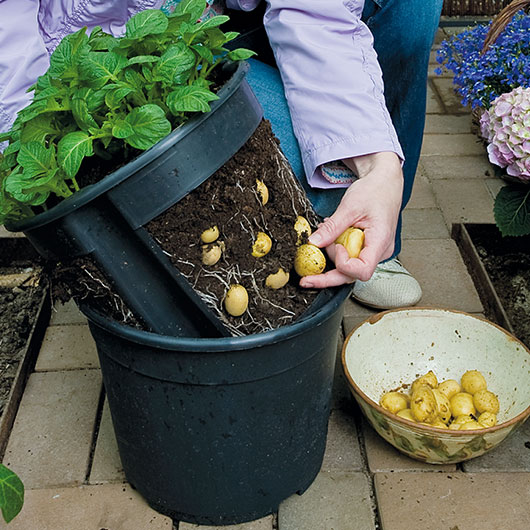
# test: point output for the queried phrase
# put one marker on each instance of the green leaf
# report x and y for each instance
(176, 60)
(35, 158)
(122, 129)
(204, 52)
(193, 8)
(512, 210)
(38, 129)
(11, 493)
(69, 54)
(81, 115)
(71, 150)
(99, 40)
(100, 67)
(212, 22)
(94, 99)
(147, 22)
(190, 99)
(115, 98)
(140, 59)
(149, 124)
(240, 54)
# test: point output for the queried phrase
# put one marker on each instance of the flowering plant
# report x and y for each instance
(494, 80)
(481, 76)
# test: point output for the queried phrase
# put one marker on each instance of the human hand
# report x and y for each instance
(371, 203)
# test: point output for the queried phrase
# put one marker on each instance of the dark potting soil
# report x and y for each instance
(507, 262)
(229, 200)
(18, 310)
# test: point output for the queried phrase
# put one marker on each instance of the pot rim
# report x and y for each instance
(218, 344)
(427, 428)
(92, 191)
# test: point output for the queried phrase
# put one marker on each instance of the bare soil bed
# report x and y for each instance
(507, 263)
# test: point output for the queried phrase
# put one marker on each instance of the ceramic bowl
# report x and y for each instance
(390, 349)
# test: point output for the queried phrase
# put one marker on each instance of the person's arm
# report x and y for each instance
(334, 87)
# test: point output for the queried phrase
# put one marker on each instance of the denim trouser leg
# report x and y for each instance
(403, 34)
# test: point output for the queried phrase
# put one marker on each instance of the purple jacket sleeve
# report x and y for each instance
(30, 31)
(332, 80)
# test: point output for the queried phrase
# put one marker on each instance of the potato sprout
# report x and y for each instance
(236, 300)
(309, 260)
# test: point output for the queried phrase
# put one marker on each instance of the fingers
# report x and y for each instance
(331, 278)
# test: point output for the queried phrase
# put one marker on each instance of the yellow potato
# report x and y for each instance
(462, 404)
(463, 418)
(470, 425)
(309, 260)
(449, 388)
(423, 404)
(394, 402)
(487, 419)
(486, 401)
(472, 381)
(406, 414)
(211, 255)
(427, 379)
(263, 191)
(236, 300)
(301, 227)
(444, 408)
(262, 245)
(352, 239)
(277, 280)
(439, 423)
(210, 235)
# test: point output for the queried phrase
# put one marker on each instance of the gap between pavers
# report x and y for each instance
(105, 507)
(67, 347)
(51, 438)
(266, 523)
(465, 501)
(335, 501)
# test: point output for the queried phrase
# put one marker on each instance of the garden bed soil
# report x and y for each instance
(24, 313)
(500, 268)
(229, 199)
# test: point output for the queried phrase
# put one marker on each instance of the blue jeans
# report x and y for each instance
(403, 33)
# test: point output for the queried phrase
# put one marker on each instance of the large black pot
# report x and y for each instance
(220, 431)
(104, 220)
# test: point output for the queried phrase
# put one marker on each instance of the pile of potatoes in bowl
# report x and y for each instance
(464, 405)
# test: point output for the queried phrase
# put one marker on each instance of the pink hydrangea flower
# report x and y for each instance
(506, 128)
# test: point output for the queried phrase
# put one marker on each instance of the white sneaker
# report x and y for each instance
(390, 286)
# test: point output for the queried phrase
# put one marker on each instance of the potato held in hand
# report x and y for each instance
(309, 260)
(352, 239)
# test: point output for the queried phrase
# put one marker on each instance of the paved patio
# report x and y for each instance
(63, 447)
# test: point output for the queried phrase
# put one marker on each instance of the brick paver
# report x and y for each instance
(67, 347)
(266, 523)
(106, 507)
(52, 436)
(464, 501)
(335, 501)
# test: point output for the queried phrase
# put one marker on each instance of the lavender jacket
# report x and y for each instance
(329, 68)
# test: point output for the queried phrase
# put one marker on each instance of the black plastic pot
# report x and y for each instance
(220, 431)
(104, 220)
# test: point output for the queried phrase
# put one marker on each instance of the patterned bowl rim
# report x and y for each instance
(418, 426)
